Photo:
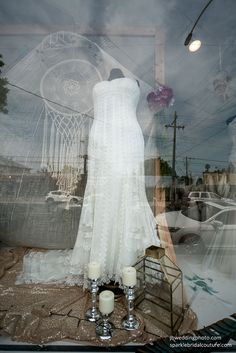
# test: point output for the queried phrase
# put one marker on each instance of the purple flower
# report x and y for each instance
(160, 98)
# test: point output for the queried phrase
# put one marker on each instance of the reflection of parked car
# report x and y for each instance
(62, 196)
(197, 224)
(194, 196)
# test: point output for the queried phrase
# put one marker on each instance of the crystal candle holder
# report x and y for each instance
(104, 329)
(93, 314)
(130, 322)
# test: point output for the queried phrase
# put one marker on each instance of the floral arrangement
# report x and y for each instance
(161, 97)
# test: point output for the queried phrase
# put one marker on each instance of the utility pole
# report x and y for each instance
(186, 166)
(173, 185)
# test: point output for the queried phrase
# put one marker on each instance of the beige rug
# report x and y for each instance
(46, 313)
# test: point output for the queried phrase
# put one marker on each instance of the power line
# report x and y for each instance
(206, 159)
(91, 117)
(71, 109)
(48, 100)
(200, 143)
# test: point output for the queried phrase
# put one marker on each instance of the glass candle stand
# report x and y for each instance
(104, 328)
(130, 322)
(93, 314)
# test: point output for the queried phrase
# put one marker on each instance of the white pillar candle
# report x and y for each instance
(106, 302)
(94, 270)
(129, 276)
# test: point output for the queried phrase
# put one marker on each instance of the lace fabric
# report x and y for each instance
(116, 223)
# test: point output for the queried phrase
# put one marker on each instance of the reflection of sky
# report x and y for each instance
(190, 75)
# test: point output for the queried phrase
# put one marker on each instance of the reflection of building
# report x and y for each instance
(16, 180)
(10, 168)
(232, 179)
(10, 176)
(158, 184)
(217, 181)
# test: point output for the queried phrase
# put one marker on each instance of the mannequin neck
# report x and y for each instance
(115, 73)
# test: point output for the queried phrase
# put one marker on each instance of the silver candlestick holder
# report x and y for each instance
(130, 322)
(93, 314)
(104, 328)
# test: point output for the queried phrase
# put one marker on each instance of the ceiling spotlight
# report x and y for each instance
(195, 44)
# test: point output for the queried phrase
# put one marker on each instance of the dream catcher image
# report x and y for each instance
(69, 82)
(62, 70)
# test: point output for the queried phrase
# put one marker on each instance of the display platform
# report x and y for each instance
(39, 314)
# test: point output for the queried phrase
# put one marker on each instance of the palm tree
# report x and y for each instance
(3, 90)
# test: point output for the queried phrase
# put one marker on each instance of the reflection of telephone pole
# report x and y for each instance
(85, 164)
(186, 166)
(173, 185)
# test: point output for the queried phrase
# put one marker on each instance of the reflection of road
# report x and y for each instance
(38, 224)
(14, 199)
(39, 202)
(199, 253)
(22, 202)
(189, 251)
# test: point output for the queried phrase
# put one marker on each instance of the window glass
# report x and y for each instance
(108, 125)
(194, 194)
(214, 196)
(227, 217)
(205, 195)
(201, 212)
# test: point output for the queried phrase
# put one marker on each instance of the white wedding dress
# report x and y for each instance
(116, 223)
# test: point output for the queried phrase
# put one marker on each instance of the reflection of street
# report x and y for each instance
(34, 223)
(193, 252)
(22, 201)
(188, 251)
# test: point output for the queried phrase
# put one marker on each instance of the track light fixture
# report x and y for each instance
(194, 45)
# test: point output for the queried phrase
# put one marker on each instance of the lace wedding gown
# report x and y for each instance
(116, 223)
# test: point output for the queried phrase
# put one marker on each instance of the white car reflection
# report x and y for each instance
(198, 225)
(195, 196)
(62, 196)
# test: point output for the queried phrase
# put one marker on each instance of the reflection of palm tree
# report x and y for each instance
(4, 90)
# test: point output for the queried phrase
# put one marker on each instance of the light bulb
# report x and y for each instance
(195, 45)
